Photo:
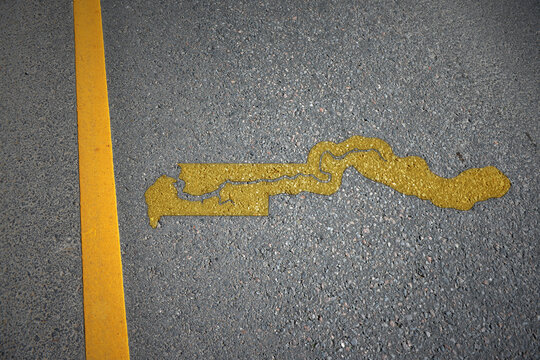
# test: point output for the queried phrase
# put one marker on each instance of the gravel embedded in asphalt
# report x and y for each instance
(366, 272)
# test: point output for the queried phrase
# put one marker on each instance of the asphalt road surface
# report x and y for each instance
(365, 273)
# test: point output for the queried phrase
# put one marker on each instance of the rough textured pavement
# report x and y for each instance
(41, 310)
(367, 272)
(364, 273)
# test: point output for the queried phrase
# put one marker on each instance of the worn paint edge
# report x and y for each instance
(106, 334)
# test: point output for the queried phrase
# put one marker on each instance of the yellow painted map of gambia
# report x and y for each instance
(244, 189)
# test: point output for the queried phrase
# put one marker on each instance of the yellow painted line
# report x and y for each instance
(104, 309)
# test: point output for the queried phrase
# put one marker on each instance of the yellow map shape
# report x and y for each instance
(244, 189)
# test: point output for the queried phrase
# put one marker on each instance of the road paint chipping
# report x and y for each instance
(244, 189)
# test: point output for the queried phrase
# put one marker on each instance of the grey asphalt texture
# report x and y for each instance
(41, 310)
(365, 273)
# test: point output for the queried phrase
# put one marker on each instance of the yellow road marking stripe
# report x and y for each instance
(104, 309)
